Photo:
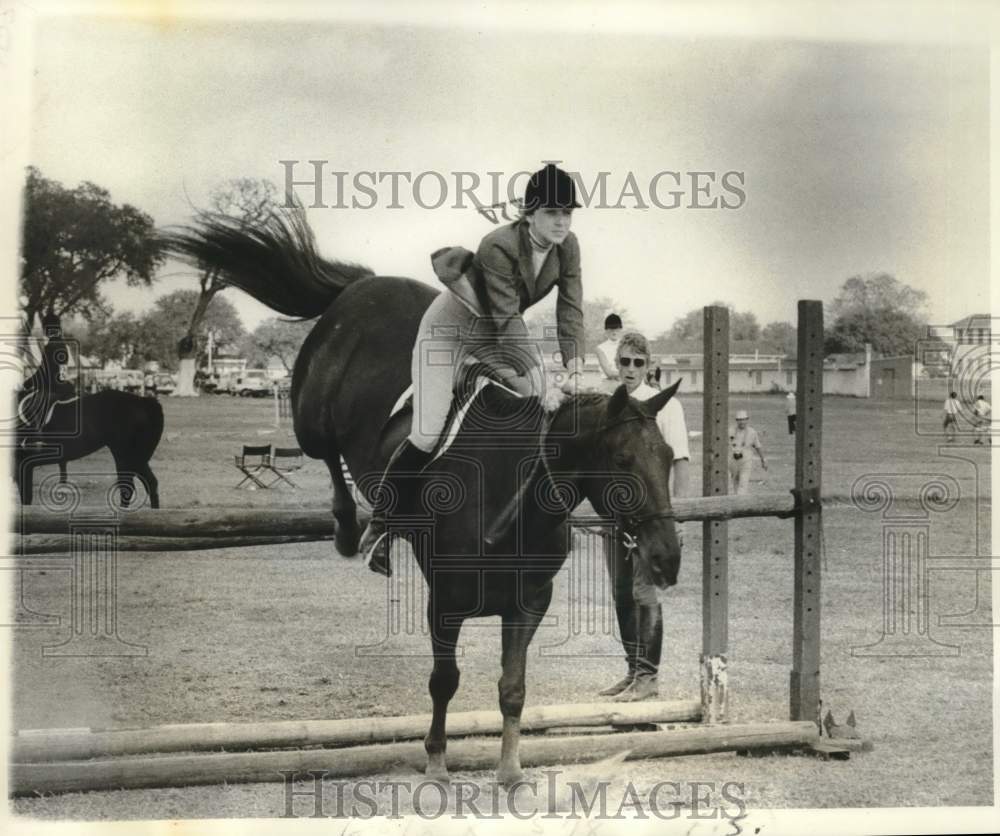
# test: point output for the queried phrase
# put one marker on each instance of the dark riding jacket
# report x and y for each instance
(505, 285)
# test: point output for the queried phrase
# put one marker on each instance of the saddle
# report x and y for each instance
(473, 378)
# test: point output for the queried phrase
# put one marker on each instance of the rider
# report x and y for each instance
(44, 387)
(516, 266)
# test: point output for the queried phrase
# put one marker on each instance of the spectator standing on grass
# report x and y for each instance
(951, 407)
(607, 351)
(790, 408)
(654, 376)
(637, 608)
(981, 413)
(742, 442)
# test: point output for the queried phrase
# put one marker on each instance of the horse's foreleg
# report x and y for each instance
(151, 484)
(125, 482)
(443, 684)
(517, 631)
(345, 510)
(63, 478)
(25, 481)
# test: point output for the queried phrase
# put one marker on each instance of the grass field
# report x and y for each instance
(277, 632)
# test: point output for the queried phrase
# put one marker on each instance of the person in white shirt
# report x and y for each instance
(638, 611)
(790, 409)
(951, 408)
(607, 351)
(981, 415)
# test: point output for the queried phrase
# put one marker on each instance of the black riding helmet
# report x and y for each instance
(550, 188)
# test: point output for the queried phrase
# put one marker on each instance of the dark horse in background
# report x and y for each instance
(350, 371)
(62, 428)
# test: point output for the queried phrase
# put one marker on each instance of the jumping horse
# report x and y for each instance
(67, 428)
(350, 371)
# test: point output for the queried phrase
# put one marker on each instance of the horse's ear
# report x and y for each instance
(619, 400)
(658, 401)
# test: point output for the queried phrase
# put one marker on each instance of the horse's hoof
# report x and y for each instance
(509, 777)
(346, 546)
(438, 774)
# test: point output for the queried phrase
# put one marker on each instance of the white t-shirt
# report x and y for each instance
(670, 420)
(609, 351)
(951, 406)
(790, 403)
(982, 408)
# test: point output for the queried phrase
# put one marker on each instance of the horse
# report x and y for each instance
(349, 373)
(130, 426)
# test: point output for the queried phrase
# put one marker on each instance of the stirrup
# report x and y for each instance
(380, 563)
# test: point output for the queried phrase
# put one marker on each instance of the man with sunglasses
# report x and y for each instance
(639, 614)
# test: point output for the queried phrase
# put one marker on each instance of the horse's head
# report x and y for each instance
(633, 474)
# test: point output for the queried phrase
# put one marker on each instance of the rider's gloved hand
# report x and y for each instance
(571, 385)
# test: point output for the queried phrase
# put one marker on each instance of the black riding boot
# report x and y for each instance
(404, 464)
(647, 665)
(625, 612)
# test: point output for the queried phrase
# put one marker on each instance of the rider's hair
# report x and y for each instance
(635, 341)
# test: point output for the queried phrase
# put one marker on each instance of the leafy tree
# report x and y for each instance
(170, 319)
(688, 331)
(250, 201)
(780, 338)
(876, 292)
(890, 332)
(878, 309)
(275, 337)
(73, 241)
(109, 338)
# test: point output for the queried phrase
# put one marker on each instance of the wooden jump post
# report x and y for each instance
(804, 699)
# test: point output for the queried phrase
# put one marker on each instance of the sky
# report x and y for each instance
(854, 157)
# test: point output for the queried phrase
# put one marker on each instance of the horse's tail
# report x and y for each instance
(275, 261)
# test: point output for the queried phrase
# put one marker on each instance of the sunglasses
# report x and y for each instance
(628, 361)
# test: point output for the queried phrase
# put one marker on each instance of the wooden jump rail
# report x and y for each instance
(204, 528)
(224, 527)
(464, 754)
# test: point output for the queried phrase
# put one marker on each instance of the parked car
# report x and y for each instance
(130, 380)
(253, 383)
(165, 383)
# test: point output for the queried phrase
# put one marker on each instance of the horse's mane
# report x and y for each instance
(274, 260)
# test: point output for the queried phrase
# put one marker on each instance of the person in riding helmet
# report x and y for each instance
(44, 386)
(479, 318)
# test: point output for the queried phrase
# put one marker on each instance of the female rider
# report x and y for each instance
(479, 316)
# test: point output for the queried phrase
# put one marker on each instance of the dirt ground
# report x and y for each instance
(296, 632)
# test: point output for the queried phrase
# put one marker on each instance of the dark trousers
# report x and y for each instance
(791, 425)
(639, 614)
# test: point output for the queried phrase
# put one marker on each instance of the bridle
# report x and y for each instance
(630, 523)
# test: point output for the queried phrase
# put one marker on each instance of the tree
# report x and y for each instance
(111, 338)
(891, 333)
(780, 338)
(73, 241)
(250, 201)
(275, 337)
(688, 331)
(878, 309)
(877, 291)
(170, 319)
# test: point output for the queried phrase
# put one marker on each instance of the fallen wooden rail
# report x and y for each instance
(62, 745)
(466, 754)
